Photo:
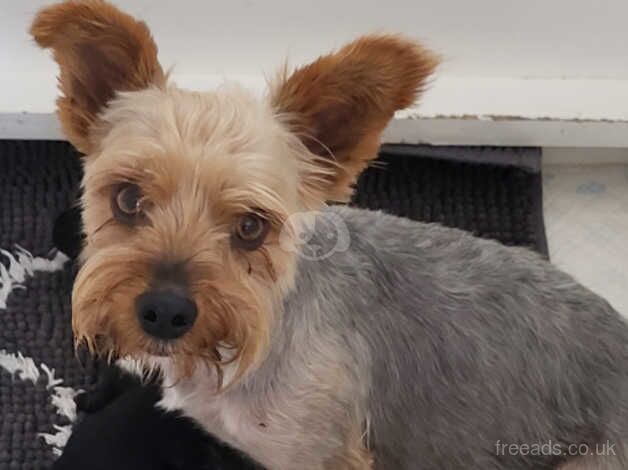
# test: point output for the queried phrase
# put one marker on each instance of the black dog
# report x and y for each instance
(124, 430)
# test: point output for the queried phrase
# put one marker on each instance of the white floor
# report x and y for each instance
(586, 218)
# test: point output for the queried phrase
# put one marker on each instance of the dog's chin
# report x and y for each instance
(159, 350)
(170, 363)
(145, 365)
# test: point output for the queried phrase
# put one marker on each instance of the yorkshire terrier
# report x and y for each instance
(338, 339)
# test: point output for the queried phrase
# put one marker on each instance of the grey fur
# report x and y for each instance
(441, 346)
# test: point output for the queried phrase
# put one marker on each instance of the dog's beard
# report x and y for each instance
(165, 359)
(169, 369)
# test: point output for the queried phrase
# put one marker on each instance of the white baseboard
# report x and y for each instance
(454, 111)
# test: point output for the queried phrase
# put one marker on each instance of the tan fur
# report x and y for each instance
(354, 457)
(202, 160)
(100, 51)
(199, 170)
(342, 102)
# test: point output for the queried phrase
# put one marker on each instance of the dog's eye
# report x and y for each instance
(250, 231)
(126, 203)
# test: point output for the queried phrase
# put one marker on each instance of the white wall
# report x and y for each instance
(523, 38)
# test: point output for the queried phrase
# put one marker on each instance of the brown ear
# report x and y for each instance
(100, 51)
(341, 103)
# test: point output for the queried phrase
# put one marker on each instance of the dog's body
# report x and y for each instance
(438, 347)
(408, 346)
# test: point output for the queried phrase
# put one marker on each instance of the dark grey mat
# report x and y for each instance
(492, 192)
(38, 181)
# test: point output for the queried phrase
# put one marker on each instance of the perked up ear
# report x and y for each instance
(340, 104)
(100, 51)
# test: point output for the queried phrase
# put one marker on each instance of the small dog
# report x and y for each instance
(123, 430)
(343, 340)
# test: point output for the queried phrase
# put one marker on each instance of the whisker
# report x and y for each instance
(103, 225)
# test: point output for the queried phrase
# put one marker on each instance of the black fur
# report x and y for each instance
(124, 430)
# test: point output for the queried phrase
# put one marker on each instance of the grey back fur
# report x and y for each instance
(461, 344)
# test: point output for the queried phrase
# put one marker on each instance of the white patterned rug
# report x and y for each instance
(39, 373)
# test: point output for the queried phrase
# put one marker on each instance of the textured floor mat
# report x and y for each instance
(38, 370)
(461, 187)
(39, 373)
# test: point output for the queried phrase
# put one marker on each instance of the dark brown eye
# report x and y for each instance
(126, 203)
(250, 231)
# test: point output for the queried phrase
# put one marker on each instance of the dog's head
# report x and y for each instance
(185, 193)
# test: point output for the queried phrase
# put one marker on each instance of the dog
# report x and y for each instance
(123, 430)
(312, 336)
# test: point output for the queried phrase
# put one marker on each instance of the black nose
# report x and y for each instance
(165, 314)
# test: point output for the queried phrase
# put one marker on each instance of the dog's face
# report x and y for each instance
(183, 205)
(186, 193)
